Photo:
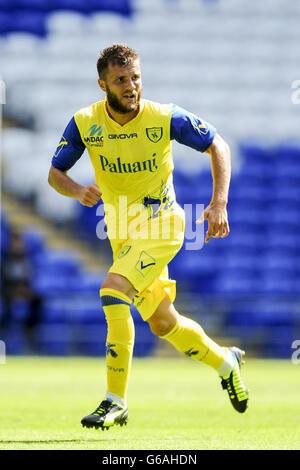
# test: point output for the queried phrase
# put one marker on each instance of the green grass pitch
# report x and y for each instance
(173, 404)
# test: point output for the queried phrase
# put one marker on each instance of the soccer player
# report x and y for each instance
(129, 143)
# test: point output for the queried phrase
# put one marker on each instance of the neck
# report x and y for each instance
(121, 118)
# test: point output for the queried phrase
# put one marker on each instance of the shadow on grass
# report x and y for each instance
(53, 441)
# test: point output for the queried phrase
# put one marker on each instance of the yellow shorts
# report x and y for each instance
(143, 261)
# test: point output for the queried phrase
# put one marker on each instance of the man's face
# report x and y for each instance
(123, 87)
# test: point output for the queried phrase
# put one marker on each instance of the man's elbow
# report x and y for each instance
(53, 175)
(219, 145)
(50, 176)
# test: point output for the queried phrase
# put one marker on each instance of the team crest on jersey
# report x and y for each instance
(154, 133)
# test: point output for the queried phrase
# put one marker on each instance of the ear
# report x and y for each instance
(102, 84)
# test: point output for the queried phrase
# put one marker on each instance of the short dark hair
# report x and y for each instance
(117, 54)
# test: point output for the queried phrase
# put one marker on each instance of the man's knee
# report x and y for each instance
(119, 283)
(163, 319)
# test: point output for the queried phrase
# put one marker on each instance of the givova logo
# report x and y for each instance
(94, 136)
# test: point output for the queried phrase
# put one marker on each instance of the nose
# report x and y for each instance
(131, 84)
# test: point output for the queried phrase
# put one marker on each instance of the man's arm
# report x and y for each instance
(190, 130)
(69, 150)
(63, 184)
(216, 213)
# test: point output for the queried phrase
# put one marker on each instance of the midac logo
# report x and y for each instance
(94, 136)
(95, 130)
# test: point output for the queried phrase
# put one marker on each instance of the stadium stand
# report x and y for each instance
(232, 63)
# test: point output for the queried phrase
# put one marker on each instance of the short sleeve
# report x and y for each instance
(190, 130)
(70, 148)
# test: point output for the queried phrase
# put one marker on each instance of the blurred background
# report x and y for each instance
(234, 64)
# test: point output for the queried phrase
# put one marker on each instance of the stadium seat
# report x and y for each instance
(33, 22)
(257, 151)
(276, 282)
(6, 23)
(34, 241)
(14, 339)
(8, 6)
(66, 262)
(66, 23)
(37, 5)
(236, 282)
(5, 232)
(54, 339)
(89, 281)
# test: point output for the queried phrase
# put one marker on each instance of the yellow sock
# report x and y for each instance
(119, 342)
(188, 337)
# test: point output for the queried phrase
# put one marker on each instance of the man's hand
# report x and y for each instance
(216, 215)
(89, 195)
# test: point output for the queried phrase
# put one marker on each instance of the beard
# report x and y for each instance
(118, 106)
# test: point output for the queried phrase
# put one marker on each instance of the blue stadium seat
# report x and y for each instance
(33, 22)
(243, 239)
(5, 233)
(263, 170)
(6, 23)
(287, 175)
(289, 151)
(195, 269)
(14, 339)
(20, 310)
(145, 340)
(282, 241)
(53, 334)
(46, 284)
(278, 281)
(6, 5)
(236, 282)
(272, 259)
(74, 5)
(121, 7)
(268, 325)
(54, 339)
(37, 5)
(247, 217)
(34, 242)
(88, 281)
(258, 152)
(241, 260)
(286, 197)
(65, 262)
(277, 342)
